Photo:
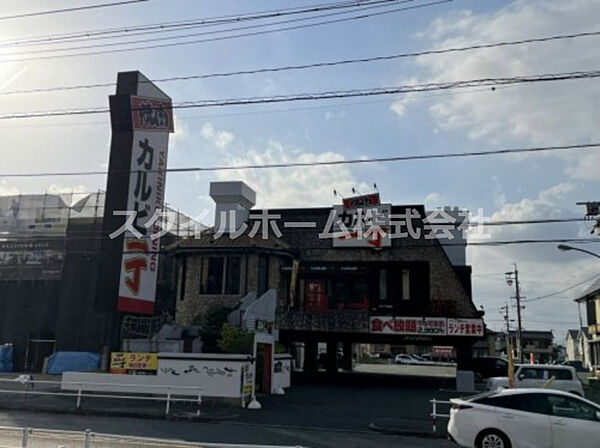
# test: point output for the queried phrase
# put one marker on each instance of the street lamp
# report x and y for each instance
(565, 248)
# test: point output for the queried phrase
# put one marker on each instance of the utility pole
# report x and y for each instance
(507, 320)
(580, 342)
(510, 277)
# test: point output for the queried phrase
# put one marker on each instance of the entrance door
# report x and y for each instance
(316, 295)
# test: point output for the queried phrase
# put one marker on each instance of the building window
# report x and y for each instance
(405, 284)
(263, 275)
(223, 276)
(383, 286)
(232, 283)
(316, 295)
(214, 279)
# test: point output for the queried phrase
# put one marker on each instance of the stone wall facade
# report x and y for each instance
(192, 305)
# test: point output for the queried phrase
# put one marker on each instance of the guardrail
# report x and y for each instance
(20, 437)
(169, 397)
(434, 414)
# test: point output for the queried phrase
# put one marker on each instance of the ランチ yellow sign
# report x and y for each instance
(120, 361)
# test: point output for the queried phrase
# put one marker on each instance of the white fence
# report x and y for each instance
(15, 437)
(434, 413)
(80, 390)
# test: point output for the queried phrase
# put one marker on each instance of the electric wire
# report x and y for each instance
(406, 89)
(233, 36)
(72, 9)
(315, 64)
(322, 163)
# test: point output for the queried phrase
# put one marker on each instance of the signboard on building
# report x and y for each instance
(465, 327)
(426, 326)
(443, 351)
(152, 114)
(152, 122)
(364, 201)
(367, 226)
(33, 230)
(31, 259)
(124, 362)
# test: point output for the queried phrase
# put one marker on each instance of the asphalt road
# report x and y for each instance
(230, 432)
(317, 412)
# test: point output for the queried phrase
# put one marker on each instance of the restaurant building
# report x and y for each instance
(358, 272)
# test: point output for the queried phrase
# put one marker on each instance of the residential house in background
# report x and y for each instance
(578, 347)
(540, 344)
(591, 300)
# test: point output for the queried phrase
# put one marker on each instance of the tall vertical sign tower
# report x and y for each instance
(141, 120)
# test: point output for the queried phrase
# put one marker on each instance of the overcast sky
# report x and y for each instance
(505, 187)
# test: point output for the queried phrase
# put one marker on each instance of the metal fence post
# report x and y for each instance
(433, 416)
(199, 402)
(25, 439)
(79, 398)
(168, 407)
(87, 438)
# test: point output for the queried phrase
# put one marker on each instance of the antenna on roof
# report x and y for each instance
(375, 186)
(355, 191)
(335, 193)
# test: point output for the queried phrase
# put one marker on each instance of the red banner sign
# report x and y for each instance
(152, 114)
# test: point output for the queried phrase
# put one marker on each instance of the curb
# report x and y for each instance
(405, 432)
(178, 417)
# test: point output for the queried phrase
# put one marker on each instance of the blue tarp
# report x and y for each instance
(6, 358)
(61, 362)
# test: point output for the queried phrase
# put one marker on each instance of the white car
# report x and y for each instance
(419, 360)
(538, 375)
(525, 418)
(405, 359)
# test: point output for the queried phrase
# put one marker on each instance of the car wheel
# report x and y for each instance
(492, 438)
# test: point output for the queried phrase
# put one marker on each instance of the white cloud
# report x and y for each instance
(221, 139)
(433, 200)
(543, 269)
(544, 114)
(293, 187)
(544, 206)
(7, 190)
(398, 107)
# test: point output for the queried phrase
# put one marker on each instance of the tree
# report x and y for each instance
(235, 340)
(212, 324)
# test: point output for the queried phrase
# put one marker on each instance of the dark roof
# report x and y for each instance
(207, 240)
(573, 333)
(537, 334)
(294, 237)
(533, 334)
(592, 289)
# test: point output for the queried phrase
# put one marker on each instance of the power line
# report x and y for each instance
(107, 33)
(319, 64)
(461, 84)
(186, 118)
(432, 242)
(236, 36)
(361, 7)
(323, 163)
(545, 296)
(65, 209)
(73, 9)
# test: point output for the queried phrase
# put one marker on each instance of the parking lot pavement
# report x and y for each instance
(407, 370)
